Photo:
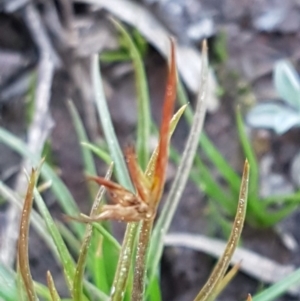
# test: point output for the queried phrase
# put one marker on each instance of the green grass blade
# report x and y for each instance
(275, 217)
(100, 262)
(69, 237)
(125, 259)
(163, 223)
(78, 279)
(282, 199)
(94, 291)
(144, 115)
(204, 179)
(59, 189)
(88, 161)
(108, 129)
(103, 155)
(65, 257)
(249, 153)
(52, 288)
(107, 236)
(123, 273)
(114, 56)
(110, 253)
(154, 290)
(279, 288)
(221, 164)
(8, 287)
(36, 220)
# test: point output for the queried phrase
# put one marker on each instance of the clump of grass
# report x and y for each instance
(104, 269)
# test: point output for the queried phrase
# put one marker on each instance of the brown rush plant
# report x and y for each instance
(141, 206)
(138, 209)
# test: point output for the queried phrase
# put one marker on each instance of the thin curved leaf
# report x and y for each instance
(78, 278)
(63, 195)
(23, 259)
(221, 267)
(279, 288)
(143, 103)
(108, 129)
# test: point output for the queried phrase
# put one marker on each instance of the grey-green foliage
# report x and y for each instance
(280, 116)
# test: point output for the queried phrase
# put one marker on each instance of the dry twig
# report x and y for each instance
(38, 130)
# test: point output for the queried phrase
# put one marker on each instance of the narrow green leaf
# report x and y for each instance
(123, 268)
(78, 279)
(143, 104)
(226, 171)
(123, 275)
(114, 56)
(108, 129)
(61, 192)
(249, 153)
(107, 236)
(103, 155)
(100, 262)
(279, 288)
(65, 257)
(203, 178)
(8, 287)
(52, 288)
(69, 237)
(89, 165)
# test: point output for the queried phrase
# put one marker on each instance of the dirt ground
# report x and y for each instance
(256, 36)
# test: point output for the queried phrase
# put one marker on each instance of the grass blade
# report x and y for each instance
(8, 288)
(279, 288)
(108, 129)
(65, 257)
(249, 153)
(78, 279)
(220, 269)
(144, 115)
(123, 268)
(122, 275)
(88, 161)
(23, 259)
(103, 155)
(52, 288)
(59, 189)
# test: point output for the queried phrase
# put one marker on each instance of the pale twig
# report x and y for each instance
(253, 264)
(38, 130)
